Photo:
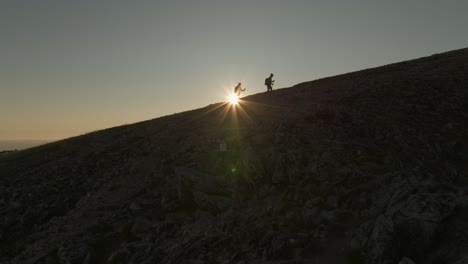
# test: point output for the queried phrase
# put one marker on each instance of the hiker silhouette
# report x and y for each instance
(238, 89)
(269, 82)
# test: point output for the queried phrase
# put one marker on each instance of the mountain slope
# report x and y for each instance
(365, 167)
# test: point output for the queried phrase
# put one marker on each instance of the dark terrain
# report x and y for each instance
(365, 167)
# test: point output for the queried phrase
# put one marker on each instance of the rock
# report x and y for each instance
(461, 207)
(412, 221)
(280, 249)
(73, 252)
(448, 126)
(321, 232)
(196, 261)
(15, 204)
(314, 202)
(141, 227)
(328, 216)
(99, 226)
(168, 204)
(135, 207)
(310, 216)
(405, 260)
(190, 181)
(298, 240)
(332, 201)
(381, 246)
(462, 260)
(185, 191)
(212, 203)
(427, 207)
(288, 168)
(119, 256)
(88, 259)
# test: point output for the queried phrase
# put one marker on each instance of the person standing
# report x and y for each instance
(269, 83)
(238, 89)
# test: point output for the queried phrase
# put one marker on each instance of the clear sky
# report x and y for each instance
(68, 67)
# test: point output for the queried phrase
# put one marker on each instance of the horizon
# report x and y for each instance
(72, 68)
(226, 99)
(11, 145)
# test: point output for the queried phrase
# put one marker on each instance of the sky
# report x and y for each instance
(70, 67)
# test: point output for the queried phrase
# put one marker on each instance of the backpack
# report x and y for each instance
(266, 81)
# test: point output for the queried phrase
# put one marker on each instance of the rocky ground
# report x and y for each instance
(366, 167)
(6, 151)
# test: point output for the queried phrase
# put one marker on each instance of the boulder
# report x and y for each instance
(406, 260)
(409, 227)
(212, 203)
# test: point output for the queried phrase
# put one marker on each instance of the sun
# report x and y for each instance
(233, 99)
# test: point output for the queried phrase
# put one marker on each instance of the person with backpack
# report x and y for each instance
(238, 89)
(269, 83)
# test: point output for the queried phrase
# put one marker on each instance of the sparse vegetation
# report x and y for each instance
(366, 167)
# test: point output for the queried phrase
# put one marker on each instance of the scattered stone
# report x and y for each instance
(406, 260)
(119, 256)
(135, 207)
(365, 167)
(448, 126)
(141, 227)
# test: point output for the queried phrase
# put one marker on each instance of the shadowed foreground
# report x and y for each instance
(366, 167)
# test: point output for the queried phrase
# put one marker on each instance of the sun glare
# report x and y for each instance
(233, 99)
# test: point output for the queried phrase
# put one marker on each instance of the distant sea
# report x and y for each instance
(21, 144)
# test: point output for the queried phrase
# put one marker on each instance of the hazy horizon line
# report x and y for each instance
(31, 139)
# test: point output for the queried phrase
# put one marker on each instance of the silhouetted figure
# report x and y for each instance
(238, 89)
(269, 83)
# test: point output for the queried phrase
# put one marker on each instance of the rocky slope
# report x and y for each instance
(365, 167)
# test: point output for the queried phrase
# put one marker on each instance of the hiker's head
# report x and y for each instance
(239, 84)
(271, 74)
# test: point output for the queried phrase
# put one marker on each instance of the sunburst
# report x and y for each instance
(233, 99)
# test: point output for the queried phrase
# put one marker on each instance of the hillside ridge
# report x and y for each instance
(363, 167)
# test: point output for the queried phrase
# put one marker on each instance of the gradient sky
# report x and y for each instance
(68, 67)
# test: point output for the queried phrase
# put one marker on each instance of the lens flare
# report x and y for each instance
(233, 99)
